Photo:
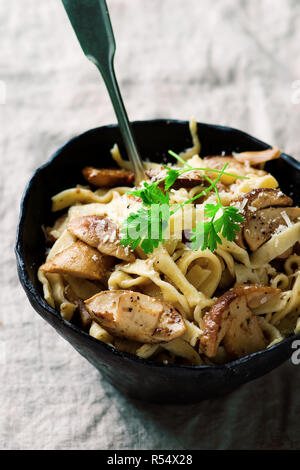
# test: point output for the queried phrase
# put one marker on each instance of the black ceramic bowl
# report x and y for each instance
(139, 378)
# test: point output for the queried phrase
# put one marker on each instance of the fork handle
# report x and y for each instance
(109, 77)
(91, 23)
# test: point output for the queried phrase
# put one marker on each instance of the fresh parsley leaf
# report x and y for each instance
(148, 245)
(205, 237)
(211, 210)
(151, 194)
(172, 175)
(227, 224)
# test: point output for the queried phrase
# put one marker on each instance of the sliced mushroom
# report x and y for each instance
(255, 158)
(102, 233)
(262, 198)
(217, 163)
(194, 177)
(232, 321)
(264, 211)
(80, 260)
(263, 223)
(136, 316)
(186, 180)
(108, 177)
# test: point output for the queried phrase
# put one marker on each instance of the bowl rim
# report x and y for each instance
(39, 300)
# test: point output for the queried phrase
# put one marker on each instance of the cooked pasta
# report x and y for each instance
(177, 303)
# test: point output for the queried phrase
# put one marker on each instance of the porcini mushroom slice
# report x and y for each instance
(102, 233)
(108, 177)
(186, 180)
(263, 223)
(80, 260)
(249, 205)
(232, 321)
(255, 158)
(217, 162)
(261, 198)
(136, 316)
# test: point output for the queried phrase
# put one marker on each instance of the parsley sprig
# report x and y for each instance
(147, 226)
(206, 233)
(151, 194)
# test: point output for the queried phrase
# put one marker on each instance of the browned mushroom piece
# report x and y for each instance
(186, 180)
(262, 198)
(217, 162)
(232, 321)
(136, 316)
(195, 178)
(108, 177)
(102, 233)
(260, 227)
(264, 210)
(80, 260)
(255, 158)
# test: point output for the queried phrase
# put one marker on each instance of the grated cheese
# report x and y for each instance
(286, 218)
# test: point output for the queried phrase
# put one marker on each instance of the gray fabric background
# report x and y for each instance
(232, 62)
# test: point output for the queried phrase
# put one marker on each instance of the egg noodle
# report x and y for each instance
(192, 281)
